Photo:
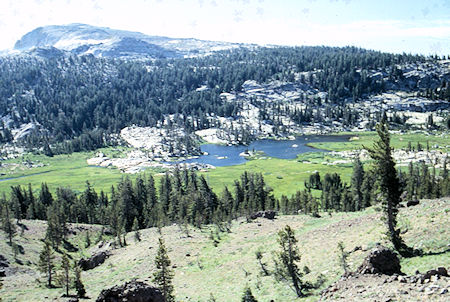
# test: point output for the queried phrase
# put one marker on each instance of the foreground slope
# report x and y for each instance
(202, 269)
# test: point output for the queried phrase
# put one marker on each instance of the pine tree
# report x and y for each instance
(150, 209)
(31, 211)
(8, 225)
(45, 197)
(248, 296)
(140, 193)
(79, 286)
(384, 168)
(115, 215)
(87, 239)
(343, 255)
(286, 268)
(164, 274)
(356, 183)
(17, 202)
(137, 234)
(65, 266)
(128, 203)
(102, 207)
(90, 201)
(259, 256)
(164, 195)
(444, 172)
(45, 264)
(56, 227)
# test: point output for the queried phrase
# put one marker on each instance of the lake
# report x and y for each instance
(220, 155)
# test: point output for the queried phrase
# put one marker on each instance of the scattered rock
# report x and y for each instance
(442, 271)
(133, 291)
(381, 260)
(108, 232)
(94, 261)
(412, 202)
(357, 248)
(433, 275)
(401, 279)
(3, 261)
(263, 214)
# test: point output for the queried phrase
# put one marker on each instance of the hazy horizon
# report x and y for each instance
(400, 26)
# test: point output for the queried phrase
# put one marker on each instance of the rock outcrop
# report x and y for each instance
(439, 272)
(94, 261)
(381, 260)
(3, 261)
(3, 265)
(133, 291)
(263, 214)
(412, 202)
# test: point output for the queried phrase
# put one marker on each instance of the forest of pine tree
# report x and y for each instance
(183, 197)
(78, 102)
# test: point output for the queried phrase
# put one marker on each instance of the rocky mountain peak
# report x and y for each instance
(81, 39)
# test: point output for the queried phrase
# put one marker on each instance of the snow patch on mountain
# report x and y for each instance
(70, 44)
(82, 39)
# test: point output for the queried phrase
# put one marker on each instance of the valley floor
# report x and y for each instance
(284, 176)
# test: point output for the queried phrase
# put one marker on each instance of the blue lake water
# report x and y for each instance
(22, 176)
(220, 155)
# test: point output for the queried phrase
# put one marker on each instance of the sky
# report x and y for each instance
(411, 26)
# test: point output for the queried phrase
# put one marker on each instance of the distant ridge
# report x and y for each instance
(83, 39)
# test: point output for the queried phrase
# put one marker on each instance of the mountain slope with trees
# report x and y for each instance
(74, 103)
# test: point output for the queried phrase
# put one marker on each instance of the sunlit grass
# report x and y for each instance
(283, 176)
(201, 268)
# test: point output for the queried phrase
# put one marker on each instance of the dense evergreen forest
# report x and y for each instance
(183, 197)
(82, 100)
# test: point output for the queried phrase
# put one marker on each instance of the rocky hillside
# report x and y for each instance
(214, 262)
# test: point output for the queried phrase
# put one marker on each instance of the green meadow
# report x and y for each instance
(65, 170)
(283, 176)
(440, 140)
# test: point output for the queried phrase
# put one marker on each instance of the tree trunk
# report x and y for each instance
(67, 283)
(390, 221)
(296, 286)
(263, 267)
(292, 272)
(49, 270)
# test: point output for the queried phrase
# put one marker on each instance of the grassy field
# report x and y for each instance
(202, 269)
(441, 140)
(69, 170)
(283, 176)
